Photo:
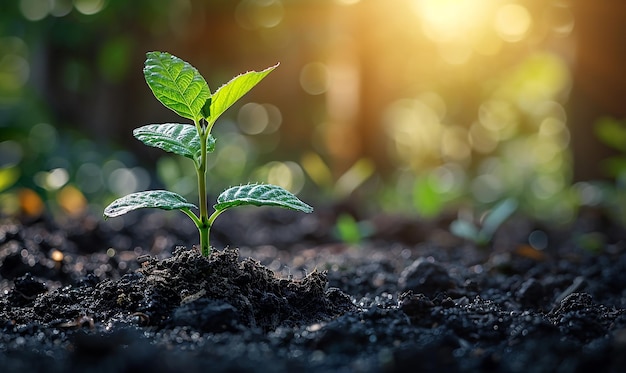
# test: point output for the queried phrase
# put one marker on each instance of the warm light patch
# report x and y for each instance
(30, 203)
(560, 19)
(512, 22)
(288, 175)
(56, 255)
(317, 170)
(71, 200)
(448, 20)
(314, 78)
(416, 131)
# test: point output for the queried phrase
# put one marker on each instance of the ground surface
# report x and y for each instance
(121, 296)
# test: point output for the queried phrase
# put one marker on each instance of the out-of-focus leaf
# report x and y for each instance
(612, 132)
(465, 229)
(498, 215)
(8, 177)
(426, 198)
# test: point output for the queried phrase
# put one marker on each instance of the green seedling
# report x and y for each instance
(350, 231)
(483, 234)
(180, 87)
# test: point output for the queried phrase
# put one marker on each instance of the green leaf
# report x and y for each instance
(8, 177)
(348, 229)
(177, 84)
(232, 91)
(465, 229)
(498, 215)
(177, 138)
(260, 195)
(611, 132)
(427, 199)
(161, 199)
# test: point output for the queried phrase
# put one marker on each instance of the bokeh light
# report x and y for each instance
(252, 14)
(35, 10)
(314, 78)
(443, 101)
(89, 7)
(512, 22)
(254, 119)
(288, 175)
(14, 69)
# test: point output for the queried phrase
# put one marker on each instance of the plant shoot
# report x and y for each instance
(180, 87)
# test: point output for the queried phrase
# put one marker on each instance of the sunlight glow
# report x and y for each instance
(288, 175)
(512, 22)
(449, 20)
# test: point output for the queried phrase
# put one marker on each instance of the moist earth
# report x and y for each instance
(87, 295)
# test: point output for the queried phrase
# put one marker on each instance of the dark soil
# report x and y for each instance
(88, 295)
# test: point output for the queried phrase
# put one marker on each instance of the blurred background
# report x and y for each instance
(409, 106)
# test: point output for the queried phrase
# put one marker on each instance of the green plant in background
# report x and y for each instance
(342, 186)
(483, 234)
(612, 132)
(180, 87)
(351, 231)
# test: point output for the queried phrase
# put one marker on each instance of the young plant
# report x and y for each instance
(180, 87)
(482, 234)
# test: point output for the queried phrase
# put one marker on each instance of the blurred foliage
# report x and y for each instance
(516, 145)
(350, 231)
(482, 234)
(612, 132)
(609, 194)
(46, 50)
(418, 107)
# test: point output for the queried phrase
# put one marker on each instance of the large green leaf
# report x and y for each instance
(161, 199)
(177, 138)
(232, 91)
(176, 83)
(260, 195)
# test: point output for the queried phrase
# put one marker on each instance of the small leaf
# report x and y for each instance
(427, 199)
(177, 84)
(497, 216)
(232, 91)
(347, 229)
(260, 195)
(177, 138)
(161, 199)
(465, 229)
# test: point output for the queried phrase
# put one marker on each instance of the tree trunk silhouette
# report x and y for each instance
(599, 87)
